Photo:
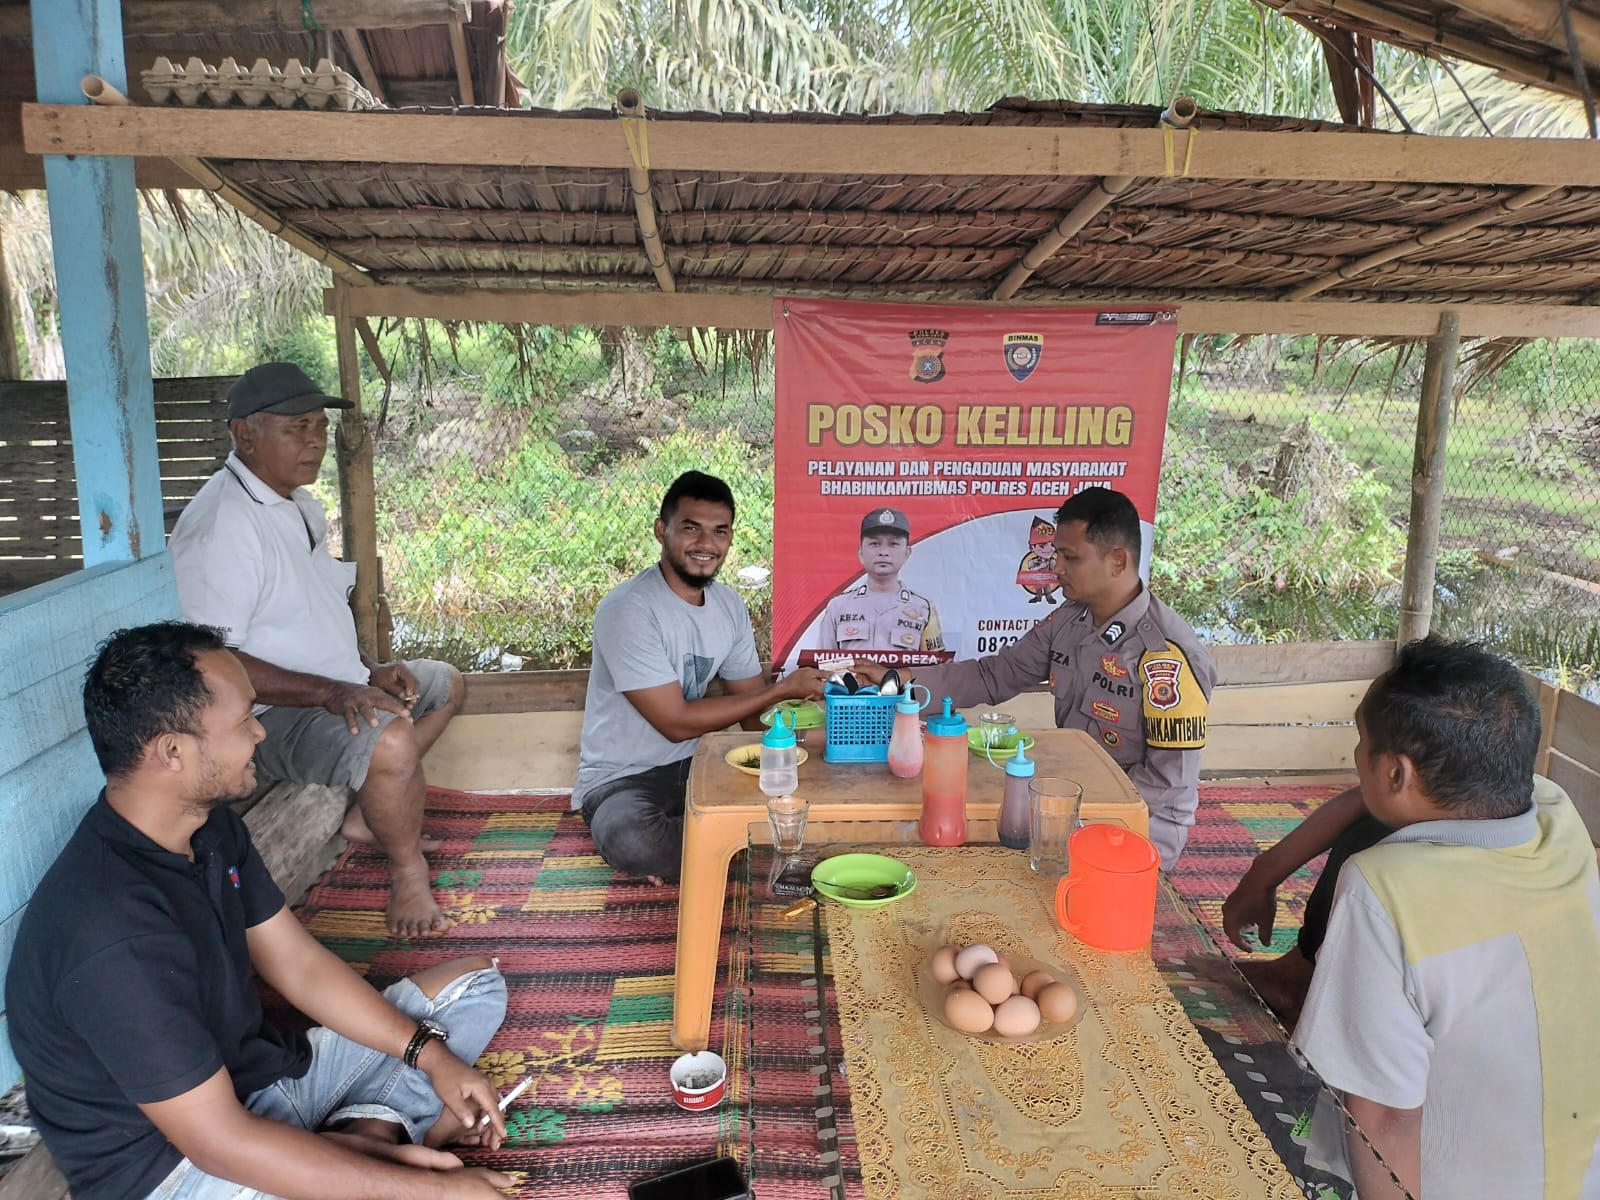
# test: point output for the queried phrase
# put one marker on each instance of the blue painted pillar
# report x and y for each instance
(94, 230)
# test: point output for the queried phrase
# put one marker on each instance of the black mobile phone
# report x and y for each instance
(719, 1179)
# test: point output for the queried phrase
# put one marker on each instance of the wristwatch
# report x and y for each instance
(427, 1031)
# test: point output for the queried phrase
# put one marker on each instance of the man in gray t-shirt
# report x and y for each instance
(659, 638)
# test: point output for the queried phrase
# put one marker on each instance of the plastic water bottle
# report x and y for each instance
(905, 740)
(944, 780)
(780, 758)
(1016, 805)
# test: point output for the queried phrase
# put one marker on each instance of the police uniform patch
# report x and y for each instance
(1111, 737)
(1113, 633)
(1110, 665)
(849, 632)
(1175, 708)
(1105, 712)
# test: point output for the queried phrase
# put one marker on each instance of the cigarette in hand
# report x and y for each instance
(505, 1101)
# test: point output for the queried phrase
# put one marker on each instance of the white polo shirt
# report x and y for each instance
(256, 565)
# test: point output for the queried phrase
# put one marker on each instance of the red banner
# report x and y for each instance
(922, 452)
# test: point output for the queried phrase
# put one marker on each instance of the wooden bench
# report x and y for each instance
(39, 530)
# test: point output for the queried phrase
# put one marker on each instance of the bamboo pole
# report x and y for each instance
(463, 64)
(358, 509)
(1421, 241)
(1427, 479)
(1106, 189)
(363, 64)
(142, 18)
(106, 95)
(630, 107)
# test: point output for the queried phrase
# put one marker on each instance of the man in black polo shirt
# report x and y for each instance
(132, 1009)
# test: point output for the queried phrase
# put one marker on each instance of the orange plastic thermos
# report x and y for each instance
(1108, 898)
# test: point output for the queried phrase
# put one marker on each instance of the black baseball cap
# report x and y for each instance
(891, 520)
(277, 387)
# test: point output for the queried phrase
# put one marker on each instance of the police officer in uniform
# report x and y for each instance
(1123, 666)
(880, 614)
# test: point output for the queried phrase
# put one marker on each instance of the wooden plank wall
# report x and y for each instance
(39, 533)
(48, 772)
(1570, 753)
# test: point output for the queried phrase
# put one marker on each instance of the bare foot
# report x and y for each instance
(412, 909)
(356, 829)
(1282, 983)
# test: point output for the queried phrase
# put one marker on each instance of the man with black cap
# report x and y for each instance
(252, 559)
(880, 614)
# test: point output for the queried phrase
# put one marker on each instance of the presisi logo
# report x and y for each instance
(927, 354)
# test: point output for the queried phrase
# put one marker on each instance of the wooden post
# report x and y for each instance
(1427, 479)
(94, 234)
(358, 510)
(10, 357)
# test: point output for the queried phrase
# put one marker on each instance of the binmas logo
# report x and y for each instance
(927, 354)
(1022, 352)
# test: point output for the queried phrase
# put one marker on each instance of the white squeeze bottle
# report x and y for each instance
(905, 738)
(780, 758)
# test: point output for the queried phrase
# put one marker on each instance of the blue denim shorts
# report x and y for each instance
(348, 1080)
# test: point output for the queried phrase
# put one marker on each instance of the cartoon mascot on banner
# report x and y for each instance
(1036, 573)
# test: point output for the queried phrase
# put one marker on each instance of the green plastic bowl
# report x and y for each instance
(808, 714)
(1003, 747)
(862, 871)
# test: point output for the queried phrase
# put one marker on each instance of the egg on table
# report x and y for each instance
(943, 964)
(994, 982)
(1035, 982)
(967, 1011)
(1016, 1016)
(970, 958)
(1058, 1002)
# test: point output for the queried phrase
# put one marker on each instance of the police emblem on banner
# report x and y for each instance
(927, 354)
(1022, 351)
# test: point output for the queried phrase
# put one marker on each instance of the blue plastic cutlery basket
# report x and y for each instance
(859, 727)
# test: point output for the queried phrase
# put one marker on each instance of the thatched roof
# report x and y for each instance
(1524, 40)
(934, 236)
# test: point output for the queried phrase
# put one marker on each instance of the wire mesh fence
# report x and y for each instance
(519, 469)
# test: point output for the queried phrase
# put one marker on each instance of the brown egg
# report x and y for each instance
(967, 1011)
(993, 981)
(1002, 960)
(971, 958)
(1035, 982)
(1016, 1017)
(943, 964)
(1058, 1003)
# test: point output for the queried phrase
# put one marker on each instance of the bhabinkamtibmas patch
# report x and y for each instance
(1174, 706)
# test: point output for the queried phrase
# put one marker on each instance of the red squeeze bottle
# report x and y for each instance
(944, 780)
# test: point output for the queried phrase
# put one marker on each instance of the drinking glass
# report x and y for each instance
(787, 817)
(1055, 803)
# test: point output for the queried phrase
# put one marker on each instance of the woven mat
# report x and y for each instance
(1128, 1103)
(588, 955)
(1231, 826)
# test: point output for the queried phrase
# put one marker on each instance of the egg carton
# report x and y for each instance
(294, 86)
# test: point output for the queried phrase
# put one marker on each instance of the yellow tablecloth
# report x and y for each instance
(1129, 1103)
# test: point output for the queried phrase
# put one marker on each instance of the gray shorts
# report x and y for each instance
(313, 745)
(347, 1080)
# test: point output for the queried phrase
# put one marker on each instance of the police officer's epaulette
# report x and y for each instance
(907, 595)
(855, 591)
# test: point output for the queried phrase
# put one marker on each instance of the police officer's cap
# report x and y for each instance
(886, 520)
